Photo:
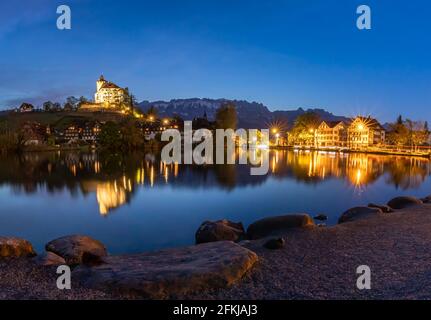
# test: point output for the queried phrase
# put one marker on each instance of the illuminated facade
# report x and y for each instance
(331, 134)
(109, 93)
(365, 132)
(108, 96)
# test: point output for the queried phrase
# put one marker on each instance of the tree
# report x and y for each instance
(82, 100)
(132, 138)
(68, 107)
(48, 106)
(10, 140)
(304, 128)
(110, 136)
(72, 102)
(56, 106)
(152, 112)
(226, 116)
(398, 133)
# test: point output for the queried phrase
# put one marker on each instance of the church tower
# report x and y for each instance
(100, 82)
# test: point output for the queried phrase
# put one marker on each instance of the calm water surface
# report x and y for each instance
(136, 203)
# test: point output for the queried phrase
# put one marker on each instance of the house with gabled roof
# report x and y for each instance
(365, 132)
(331, 134)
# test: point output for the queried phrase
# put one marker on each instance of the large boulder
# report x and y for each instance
(359, 213)
(403, 202)
(169, 273)
(383, 207)
(77, 249)
(49, 259)
(210, 231)
(270, 225)
(15, 247)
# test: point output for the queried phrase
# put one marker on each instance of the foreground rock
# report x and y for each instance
(268, 226)
(15, 247)
(403, 202)
(275, 243)
(167, 273)
(358, 213)
(77, 249)
(384, 208)
(49, 259)
(219, 231)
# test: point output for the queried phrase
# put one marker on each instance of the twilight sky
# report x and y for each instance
(285, 54)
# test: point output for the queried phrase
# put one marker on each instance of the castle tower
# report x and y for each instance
(100, 82)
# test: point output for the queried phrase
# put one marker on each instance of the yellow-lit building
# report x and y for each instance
(365, 132)
(108, 96)
(109, 93)
(331, 134)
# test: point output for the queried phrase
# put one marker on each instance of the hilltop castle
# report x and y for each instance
(108, 96)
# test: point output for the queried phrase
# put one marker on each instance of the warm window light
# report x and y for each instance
(360, 126)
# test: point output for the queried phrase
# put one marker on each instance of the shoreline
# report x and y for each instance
(389, 153)
(316, 263)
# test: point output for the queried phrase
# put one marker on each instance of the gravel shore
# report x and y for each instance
(317, 263)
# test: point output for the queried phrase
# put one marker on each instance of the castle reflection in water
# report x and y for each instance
(114, 179)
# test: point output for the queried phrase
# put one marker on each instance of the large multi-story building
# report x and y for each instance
(365, 132)
(108, 96)
(109, 93)
(360, 132)
(331, 134)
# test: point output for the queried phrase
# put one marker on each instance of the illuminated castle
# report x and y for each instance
(108, 96)
(109, 93)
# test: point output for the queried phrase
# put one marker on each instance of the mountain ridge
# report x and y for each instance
(250, 114)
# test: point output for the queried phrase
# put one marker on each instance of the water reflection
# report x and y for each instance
(114, 179)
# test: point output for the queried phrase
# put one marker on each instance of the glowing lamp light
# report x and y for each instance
(361, 127)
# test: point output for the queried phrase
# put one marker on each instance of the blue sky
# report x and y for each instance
(285, 54)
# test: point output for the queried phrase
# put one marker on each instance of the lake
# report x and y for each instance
(135, 203)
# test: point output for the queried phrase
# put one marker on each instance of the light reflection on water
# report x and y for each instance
(147, 204)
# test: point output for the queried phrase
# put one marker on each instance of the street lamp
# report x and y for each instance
(277, 135)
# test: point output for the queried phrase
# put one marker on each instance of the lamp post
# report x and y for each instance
(276, 134)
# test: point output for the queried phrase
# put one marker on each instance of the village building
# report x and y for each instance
(331, 134)
(364, 132)
(72, 133)
(90, 132)
(26, 107)
(34, 133)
